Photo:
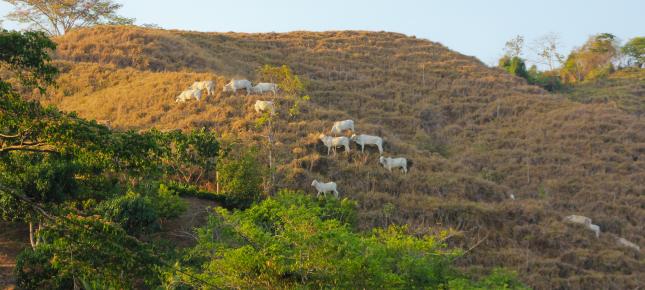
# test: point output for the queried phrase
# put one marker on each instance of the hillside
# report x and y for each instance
(624, 89)
(475, 135)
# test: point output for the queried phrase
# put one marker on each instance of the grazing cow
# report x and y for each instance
(595, 229)
(324, 188)
(263, 106)
(626, 243)
(583, 220)
(341, 126)
(209, 86)
(189, 94)
(261, 88)
(391, 163)
(578, 219)
(333, 142)
(235, 85)
(368, 140)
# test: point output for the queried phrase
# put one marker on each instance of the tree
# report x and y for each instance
(135, 213)
(293, 87)
(592, 60)
(191, 156)
(241, 179)
(546, 47)
(26, 55)
(514, 65)
(514, 47)
(56, 17)
(634, 49)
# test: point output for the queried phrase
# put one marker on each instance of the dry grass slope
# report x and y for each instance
(475, 135)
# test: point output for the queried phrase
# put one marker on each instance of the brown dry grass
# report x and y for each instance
(475, 135)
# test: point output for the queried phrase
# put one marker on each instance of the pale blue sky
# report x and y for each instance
(478, 28)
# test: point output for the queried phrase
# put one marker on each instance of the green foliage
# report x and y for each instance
(189, 156)
(241, 179)
(136, 214)
(592, 60)
(498, 279)
(167, 203)
(297, 241)
(27, 55)
(89, 249)
(548, 80)
(514, 65)
(635, 50)
(287, 81)
(35, 271)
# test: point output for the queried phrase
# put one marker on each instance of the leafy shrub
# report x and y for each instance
(241, 179)
(167, 203)
(514, 65)
(34, 271)
(296, 241)
(135, 213)
(547, 80)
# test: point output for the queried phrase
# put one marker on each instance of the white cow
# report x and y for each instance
(626, 243)
(391, 163)
(333, 142)
(341, 126)
(261, 88)
(263, 106)
(578, 219)
(595, 229)
(368, 140)
(189, 94)
(235, 85)
(209, 86)
(583, 220)
(324, 188)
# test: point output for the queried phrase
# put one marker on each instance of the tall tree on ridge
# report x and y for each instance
(56, 17)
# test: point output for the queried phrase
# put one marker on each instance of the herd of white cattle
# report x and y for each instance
(586, 222)
(195, 90)
(333, 142)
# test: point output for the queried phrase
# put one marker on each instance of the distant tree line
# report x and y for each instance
(596, 58)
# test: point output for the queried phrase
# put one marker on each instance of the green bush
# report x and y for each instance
(297, 241)
(514, 65)
(547, 80)
(241, 179)
(167, 203)
(135, 213)
(34, 271)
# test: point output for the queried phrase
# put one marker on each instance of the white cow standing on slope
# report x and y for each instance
(341, 126)
(189, 94)
(583, 220)
(333, 142)
(368, 140)
(393, 163)
(261, 88)
(209, 86)
(264, 106)
(235, 85)
(324, 188)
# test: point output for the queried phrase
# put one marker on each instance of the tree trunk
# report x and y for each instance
(31, 236)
